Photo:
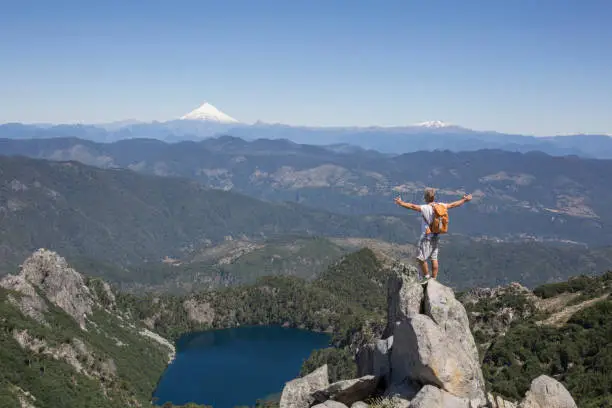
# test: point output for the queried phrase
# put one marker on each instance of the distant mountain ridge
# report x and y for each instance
(207, 121)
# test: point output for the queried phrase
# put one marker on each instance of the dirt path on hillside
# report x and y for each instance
(555, 303)
(561, 317)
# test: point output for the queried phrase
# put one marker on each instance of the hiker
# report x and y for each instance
(434, 221)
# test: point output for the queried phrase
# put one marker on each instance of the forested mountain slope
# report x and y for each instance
(516, 195)
(129, 218)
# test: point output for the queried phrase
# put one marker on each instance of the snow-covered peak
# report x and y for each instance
(209, 113)
(433, 124)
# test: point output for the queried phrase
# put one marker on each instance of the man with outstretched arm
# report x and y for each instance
(427, 246)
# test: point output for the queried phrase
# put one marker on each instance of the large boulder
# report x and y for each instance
(440, 304)
(433, 397)
(298, 393)
(423, 353)
(373, 358)
(404, 296)
(546, 392)
(348, 391)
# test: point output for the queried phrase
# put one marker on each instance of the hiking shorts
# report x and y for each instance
(427, 247)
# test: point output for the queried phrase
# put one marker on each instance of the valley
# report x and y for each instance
(172, 234)
(517, 196)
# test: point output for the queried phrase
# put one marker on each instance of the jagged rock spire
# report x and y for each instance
(427, 359)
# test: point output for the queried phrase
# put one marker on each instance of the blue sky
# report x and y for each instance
(535, 67)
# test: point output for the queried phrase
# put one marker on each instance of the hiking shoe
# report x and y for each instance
(425, 279)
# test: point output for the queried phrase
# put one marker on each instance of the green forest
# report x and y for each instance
(577, 353)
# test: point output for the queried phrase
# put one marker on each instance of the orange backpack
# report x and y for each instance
(439, 224)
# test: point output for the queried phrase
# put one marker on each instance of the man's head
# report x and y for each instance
(429, 195)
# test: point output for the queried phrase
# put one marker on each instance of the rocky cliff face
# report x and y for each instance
(69, 331)
(427, 358)
(46, 273)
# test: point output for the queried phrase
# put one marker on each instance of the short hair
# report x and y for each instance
(429, 194)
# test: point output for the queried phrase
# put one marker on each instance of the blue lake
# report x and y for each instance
(231, 367)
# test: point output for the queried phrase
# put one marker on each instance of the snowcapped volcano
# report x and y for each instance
(209, 113)
(433, 124)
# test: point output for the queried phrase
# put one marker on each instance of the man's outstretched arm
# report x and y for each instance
(465, 199)
(410, 206)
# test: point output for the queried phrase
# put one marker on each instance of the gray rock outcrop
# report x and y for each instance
(433, 397)
(450, 315)
(348, 391)
(30, 302)
(404, 297)
(546, 392)
(374, 359)
(199, 311)
(423, 354)
(61, 285)
(298, 393)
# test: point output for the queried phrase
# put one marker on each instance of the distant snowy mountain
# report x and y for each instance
(433, 124)
(208, 112)
(207, 121)
(438, 126)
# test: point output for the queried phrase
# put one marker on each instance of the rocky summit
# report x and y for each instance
(427, 358)
(49, 273)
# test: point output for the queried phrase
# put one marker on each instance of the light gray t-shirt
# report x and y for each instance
(427, 214)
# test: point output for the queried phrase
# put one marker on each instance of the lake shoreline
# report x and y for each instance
(205, 360)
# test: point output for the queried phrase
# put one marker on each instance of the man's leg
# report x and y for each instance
(423, 253)
(424, 269)
(434, 256)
